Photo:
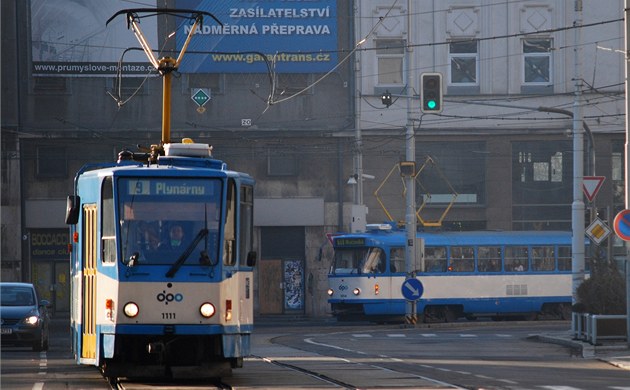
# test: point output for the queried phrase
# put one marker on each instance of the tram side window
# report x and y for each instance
(229, 243)
(435, 259)
(489, 258)
(462, 259)
(108, 228)
(564, 258)
(397, 260)
(374, 261)
(516, 258)
(543, 258)
(246, 228)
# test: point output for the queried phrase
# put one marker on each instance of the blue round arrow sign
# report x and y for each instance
(621, 225)
(412, 289)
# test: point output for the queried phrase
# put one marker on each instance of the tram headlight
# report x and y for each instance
(207, 310)
(356, 291)
(131, 309)
(330, 292)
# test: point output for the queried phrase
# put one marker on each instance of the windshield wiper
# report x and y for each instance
(182, 258)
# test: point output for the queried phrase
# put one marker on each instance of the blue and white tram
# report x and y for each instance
(464, 274)
(147, 303)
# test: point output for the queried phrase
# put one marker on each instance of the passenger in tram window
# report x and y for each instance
(489, 259)
(175, 237)
(489, 265)
(518, 266)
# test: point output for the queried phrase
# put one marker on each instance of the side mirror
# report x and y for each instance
(73, 204)
(251, 259)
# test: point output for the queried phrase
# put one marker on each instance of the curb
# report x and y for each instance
(621, 358)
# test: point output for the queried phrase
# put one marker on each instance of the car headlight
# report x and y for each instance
(31, 320)
(356, 291)
(131, 309)
(207, 310)
(330, 292)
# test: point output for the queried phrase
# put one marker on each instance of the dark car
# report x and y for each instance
(23, 317)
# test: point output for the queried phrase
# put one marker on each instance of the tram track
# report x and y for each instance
(293, 376)
(310, 373)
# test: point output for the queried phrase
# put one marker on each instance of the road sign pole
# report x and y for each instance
(627, 173)
(410, 181)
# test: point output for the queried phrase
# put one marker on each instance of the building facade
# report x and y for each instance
(305, 115)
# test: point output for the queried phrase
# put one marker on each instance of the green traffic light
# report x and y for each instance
(431, 104)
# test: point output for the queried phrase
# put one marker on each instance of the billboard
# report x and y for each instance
(69, 39)
(297, 36)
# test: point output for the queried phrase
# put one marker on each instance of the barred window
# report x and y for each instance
(463, 57)
(537, 61)
(389, 56)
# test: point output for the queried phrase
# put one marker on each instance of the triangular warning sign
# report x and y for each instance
(591, 185)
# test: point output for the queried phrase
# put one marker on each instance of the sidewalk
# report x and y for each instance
(615, 353)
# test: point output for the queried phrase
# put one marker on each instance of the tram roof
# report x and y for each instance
(485, 237)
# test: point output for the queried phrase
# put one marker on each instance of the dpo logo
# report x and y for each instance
(169, 297)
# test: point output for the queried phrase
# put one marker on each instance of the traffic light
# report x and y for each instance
(431, 93)
(386, 98)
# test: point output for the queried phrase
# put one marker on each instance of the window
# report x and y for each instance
(374, 261)
(108, 227)
(463, 57)
(564, 258)
(246, 228)
(435, 259)
(489, 259)
(541, 185)
(389, 57)
(548, 170)
(543, 258)
(462, 259)
(455, 165)
(229, 229)
(158, 227)
(537, 61)
(618, 173)
(516, 259)
(397, 260)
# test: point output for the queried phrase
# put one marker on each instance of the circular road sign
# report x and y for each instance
(621, 225)
(412, 289)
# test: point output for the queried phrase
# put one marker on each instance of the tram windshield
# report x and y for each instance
(169, 221)
(361, 260)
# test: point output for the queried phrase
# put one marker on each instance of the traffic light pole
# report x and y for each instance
(410, 155)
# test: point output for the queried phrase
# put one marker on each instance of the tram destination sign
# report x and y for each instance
(169, 187)
(350, 241)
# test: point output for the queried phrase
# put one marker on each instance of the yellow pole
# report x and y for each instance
(166, 62)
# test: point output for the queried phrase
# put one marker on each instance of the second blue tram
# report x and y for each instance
(494, 274)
